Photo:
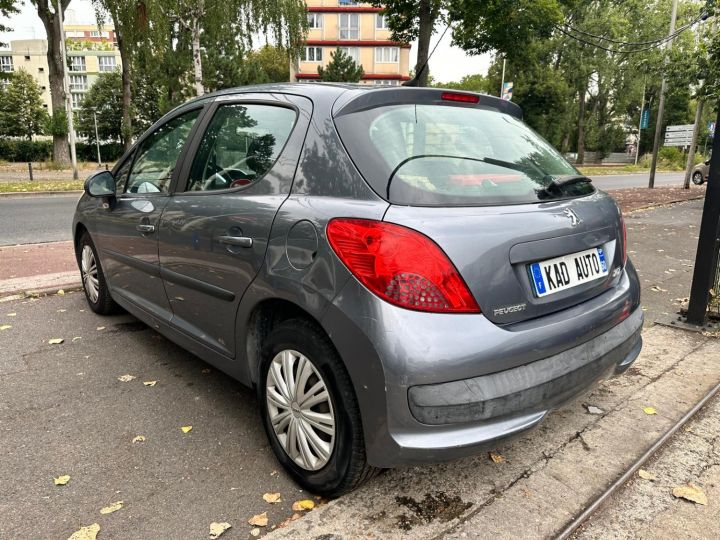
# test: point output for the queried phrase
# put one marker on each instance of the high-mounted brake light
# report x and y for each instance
(457, 96)
(400, 265)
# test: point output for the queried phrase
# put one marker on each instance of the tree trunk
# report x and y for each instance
(56, 74)
(126, 91)
(691, 153)
(581, 127)
(196, 53)
(426, 23)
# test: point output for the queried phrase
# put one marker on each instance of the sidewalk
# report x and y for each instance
(35, 267)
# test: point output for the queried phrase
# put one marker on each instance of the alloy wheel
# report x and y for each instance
(300, 410)
(90, 273)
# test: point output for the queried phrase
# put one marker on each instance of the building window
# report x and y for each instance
(349, 26)
(106, 63)
(77, 100)
(348, 2)
(6, 64)
(27, 57)
(312, 54)
(76, 63)
(352, 52)
(387, 55)
(94, 33)
(78, 83)
(315, 20)
(386, 82)
(41, 70)
(380, 22)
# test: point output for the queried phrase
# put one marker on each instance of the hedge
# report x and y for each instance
(24, 150)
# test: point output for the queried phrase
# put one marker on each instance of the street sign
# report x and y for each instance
(680, 135)
(683, 127)
(645, 118)
(507, 91)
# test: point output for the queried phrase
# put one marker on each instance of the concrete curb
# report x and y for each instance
(660, 205)
(18, 194)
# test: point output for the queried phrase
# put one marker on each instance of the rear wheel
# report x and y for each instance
(310, 412)
(697, 178)
(96, 290)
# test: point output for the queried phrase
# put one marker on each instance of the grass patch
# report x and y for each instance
(49, 185)
(622, 169)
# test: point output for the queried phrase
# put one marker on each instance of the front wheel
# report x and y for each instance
(698, 178)
(96, 290)
(310, 412)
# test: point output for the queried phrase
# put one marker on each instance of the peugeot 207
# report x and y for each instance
(403, 274)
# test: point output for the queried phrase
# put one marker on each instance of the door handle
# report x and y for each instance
(241, 241)
(145, 228)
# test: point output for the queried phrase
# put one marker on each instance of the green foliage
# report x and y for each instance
(41, 150)
(7, 8)
(472, 83)
(21, 107)
(341, 68)
(57, 124)
(273, 61)
(104, 100)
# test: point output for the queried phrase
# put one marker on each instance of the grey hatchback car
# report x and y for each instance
(405, 275)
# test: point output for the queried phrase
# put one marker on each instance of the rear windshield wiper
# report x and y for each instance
(556, 184)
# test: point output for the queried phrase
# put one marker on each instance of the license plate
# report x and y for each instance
(555, 275)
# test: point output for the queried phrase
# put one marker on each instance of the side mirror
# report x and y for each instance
(100, 184)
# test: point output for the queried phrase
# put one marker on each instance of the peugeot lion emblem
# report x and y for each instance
(574, 219)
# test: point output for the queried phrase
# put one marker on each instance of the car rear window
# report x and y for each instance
(440, 155)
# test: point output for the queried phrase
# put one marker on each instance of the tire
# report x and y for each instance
(698, 178)
(96, 290)
(344, 466)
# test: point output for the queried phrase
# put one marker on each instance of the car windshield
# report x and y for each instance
(436, 155)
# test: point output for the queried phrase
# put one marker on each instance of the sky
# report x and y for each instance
(447, 64)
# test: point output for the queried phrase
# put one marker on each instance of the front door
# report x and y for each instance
(215, 228)
(127, 236)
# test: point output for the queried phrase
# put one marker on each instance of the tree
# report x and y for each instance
(21, 107)
(7, 8)
(341, 68)
(104, 100)
(274, 62)
(56, 74)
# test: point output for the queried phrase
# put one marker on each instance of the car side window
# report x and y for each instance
(158, 155)
(240, 146)
(122, 174)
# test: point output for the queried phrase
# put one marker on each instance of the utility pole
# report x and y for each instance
(502, 81)
(97, 139)
(68, 97)
(642, 110)
(661, 104)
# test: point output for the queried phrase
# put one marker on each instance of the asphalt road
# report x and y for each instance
(35, 219)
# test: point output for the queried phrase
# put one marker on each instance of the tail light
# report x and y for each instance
(624, 239)
(400, 265)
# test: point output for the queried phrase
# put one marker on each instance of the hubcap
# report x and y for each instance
(90, 273)
(300, 410)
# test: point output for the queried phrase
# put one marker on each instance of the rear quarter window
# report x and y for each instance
(437, 155)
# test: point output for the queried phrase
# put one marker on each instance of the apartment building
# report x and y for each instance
(360, 31)
(90, 52)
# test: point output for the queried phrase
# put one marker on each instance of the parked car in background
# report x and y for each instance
(405, 275)
(700, 172)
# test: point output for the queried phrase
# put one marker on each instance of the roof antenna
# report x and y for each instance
(415, 81)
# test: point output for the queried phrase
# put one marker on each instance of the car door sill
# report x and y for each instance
(196, 284)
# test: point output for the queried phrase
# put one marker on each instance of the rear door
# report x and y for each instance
(214, 231)
(127, 231)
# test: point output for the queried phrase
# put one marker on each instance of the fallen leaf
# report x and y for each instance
(139, 439)
(114, 507)
(272, 498)
(100, 328)
(649, 410)
(495, 457)
(592, 409)
(217, 529)
(186, 429)
(61, 310)
(126, 378)
(86, 533)
(284, 523)
(55, 341)
(255, 532)
(690, 492)
(305, 504)
(206, 370)
(656, 288)
(259, 520)
(76, 338)
(150, 383)
(5, 327)
(61, 293)
(11, 314)
(62, 480)
(642, 473)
